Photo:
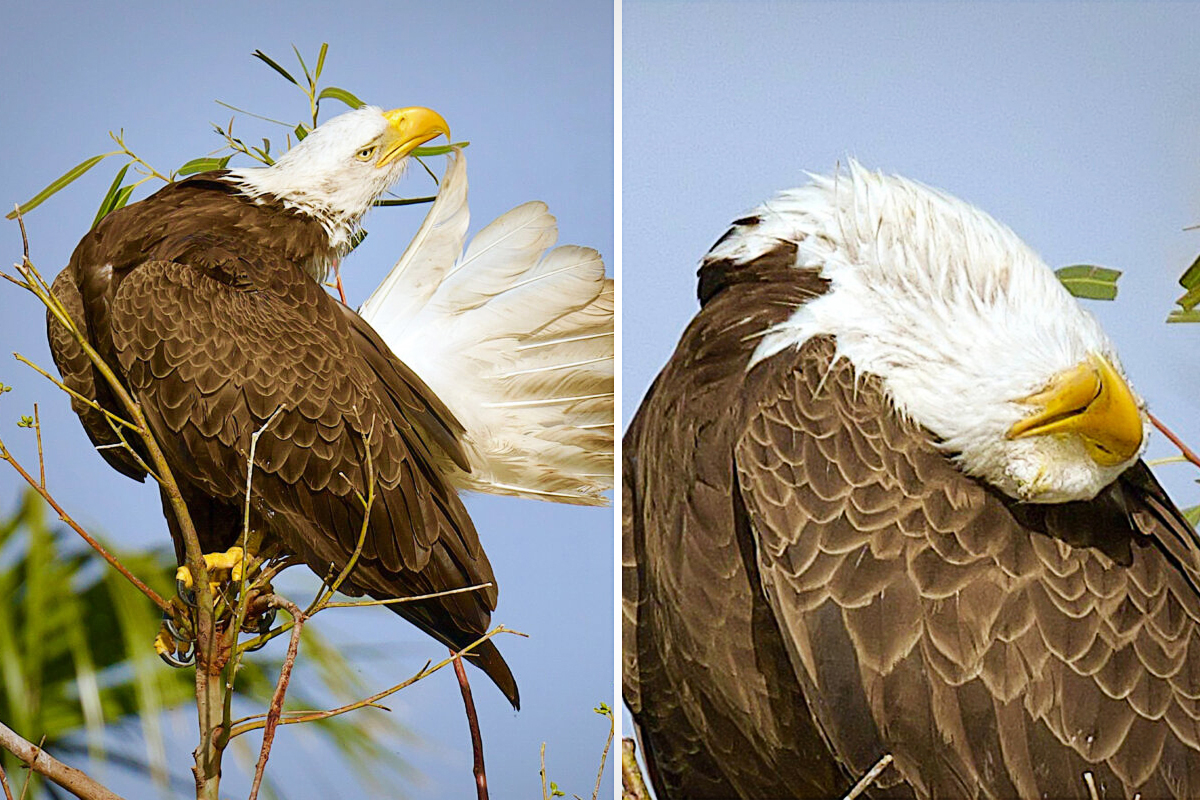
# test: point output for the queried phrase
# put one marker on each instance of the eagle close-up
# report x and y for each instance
(886, 499)
(206, 299)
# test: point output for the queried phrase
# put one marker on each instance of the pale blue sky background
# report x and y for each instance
(1076, 124)
(530, 85)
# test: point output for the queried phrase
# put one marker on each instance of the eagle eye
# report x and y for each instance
(366, 153)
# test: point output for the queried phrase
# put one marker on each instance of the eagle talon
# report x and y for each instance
(186, 593)
(168, 621)
(172, 649)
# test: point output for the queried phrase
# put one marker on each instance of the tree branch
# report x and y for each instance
(73, 780)
(285, 676)
(1184, 450)
(481, 790)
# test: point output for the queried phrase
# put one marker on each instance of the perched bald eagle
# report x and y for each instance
(206, 300)
(886, 499)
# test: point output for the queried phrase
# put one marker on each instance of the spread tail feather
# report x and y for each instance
(516, 338)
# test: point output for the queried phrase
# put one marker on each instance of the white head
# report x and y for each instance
(973, 336)
(338, 171)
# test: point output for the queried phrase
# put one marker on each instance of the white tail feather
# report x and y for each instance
(515, 338)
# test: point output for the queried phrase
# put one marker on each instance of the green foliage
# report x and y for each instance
(76, 659)
(1190, 281)
(120, 192)
(1089, 282)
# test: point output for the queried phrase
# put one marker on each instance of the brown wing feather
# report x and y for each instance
(718, 711)
(989, 657)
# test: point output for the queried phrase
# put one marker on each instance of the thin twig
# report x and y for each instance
(542, 772)
(866, 780)
(256, 722)
(460, 671)
(41, 762)
(391, 601)
(1184, 450)
(612, 729)
(37, 427)
(87, 537)
(285, 677)
(4, 783)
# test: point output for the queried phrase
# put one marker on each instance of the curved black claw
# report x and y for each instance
(179, 636)
(261, 626)
(188, 659)
(188, 596)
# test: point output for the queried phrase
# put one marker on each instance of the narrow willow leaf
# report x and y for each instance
(1089, 282)
(1191, 277)
(439, 150)
(1184, 316)
(321, 61)
(334, 93)
(301, 131)
(122, 197)
(63, 181)
(202, 165)
(405, 201)
(1192, 515)
(303, 66)
(261, 56)
(1191, 299)
(110, 197)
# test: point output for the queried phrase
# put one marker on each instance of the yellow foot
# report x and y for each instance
(217, 563)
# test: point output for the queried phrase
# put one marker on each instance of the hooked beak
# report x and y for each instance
(1091, 401)
(409, 128)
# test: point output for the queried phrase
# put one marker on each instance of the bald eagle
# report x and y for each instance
(886, 498)
(206, 300)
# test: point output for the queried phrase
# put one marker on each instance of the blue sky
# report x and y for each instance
(1075, 124)
(530, 85)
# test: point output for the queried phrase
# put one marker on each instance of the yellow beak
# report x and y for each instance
(1093, 402)
(409, 128)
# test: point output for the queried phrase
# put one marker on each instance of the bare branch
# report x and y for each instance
(73, 780)
(633, 785)
(391, 601)
(4, 784)
(1184, 450)
(612, 730)
(481, 790)
(246, 725)
(866, 780)
(285, 676)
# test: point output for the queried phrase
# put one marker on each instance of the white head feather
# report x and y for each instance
(323, 175)
(957, 316)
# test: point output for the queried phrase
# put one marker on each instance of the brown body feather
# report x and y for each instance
(811, 584)
(204, 302)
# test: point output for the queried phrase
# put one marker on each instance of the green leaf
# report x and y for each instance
(1178, 315)
(1191, 277)
(1191, 299)
(110, 197)
(321, 61)
(1089, 282)
(261, 56)
(405, 201)
(60, 183)
(334, 93)
(301, 131)
(438, 150)
(1192, 515)
(303, 66)
(205, 164)
(122, 197)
